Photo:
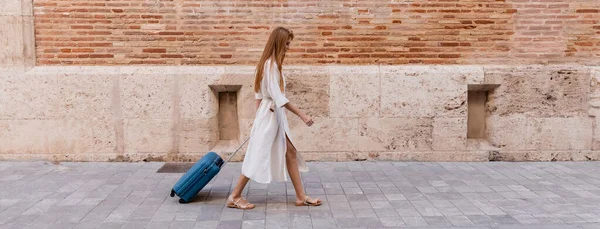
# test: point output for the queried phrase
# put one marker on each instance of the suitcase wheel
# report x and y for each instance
(181, 201)
(172, 193)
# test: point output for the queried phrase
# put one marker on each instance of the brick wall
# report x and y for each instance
(197, 32)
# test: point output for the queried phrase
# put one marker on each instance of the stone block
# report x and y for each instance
(585, 155)
(198, 135)
(396, 134)
(16, 7)
(147, 96)
(525, 155)
(11, 41)
(431, 156)
(566, 133)
(449, 134)
(426, 91)
(196, 99)
(515, 132)
(518, 132)
(308, 89)
(148, 135)
(326, 134)
(539, 91)
(595, 92)
(87, 96)
(354, 91)
(56, 137)
(28, 96)
(596, 134)
(544, 155)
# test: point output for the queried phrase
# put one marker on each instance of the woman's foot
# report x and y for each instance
(307, 201)
(239, 203)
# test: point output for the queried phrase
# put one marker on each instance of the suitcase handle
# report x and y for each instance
(233, 154)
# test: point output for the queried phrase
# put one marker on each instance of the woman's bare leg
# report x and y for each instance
(294, 172)
(236, 195)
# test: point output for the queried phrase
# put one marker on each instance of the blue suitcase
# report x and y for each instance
(199, 175)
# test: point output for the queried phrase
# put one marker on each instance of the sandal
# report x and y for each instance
(234, 204)
(307, 203)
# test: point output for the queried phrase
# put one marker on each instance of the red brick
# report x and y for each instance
(449, 55)
(82, 50)
(587, 11)
(359, 32)
(101, 55)
(171, 56)
(170, 33)
(155, 50)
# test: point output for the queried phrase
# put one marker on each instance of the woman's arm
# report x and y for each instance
(291, 107)
(257, 103)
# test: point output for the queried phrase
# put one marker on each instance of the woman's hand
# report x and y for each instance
(306, 119)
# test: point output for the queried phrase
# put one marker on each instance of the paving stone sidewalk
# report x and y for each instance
(561, 195)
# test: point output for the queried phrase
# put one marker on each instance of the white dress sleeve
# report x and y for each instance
(273, 85)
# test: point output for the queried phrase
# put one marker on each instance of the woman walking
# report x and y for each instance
(271, 152)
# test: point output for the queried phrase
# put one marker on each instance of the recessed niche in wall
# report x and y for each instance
(476, 106)
(227, 117)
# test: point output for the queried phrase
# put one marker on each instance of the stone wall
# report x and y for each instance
(403, 112)
(362, 112)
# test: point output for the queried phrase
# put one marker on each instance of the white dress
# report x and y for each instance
(264, 161)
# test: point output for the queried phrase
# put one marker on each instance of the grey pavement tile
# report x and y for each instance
(134, 225)
(364, 213)
(346, 223)
(360, 205)
(186, 216)
(370, 222)
(258, 224)
(450, 211)
(590, 226)
(298, 214)
(503, 219)
(300, 223)
(380, 204)
(481, 219)
(182, 225)
(339, 205)
(357, 197)
(320, 214)
(408, 211)
(112, 225)
(386, 212)
(81, 225)
(277, 223)
(206, 224)
(548, 218)
(158, 225)
(392, 222)
(526, 219)
(342, 213)
(459, 220)
(592, 218)
(376, 197)
(544, 226)
(437, 221)
(414, 221)
(334, 198)
(324, 223)
(254, 215)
